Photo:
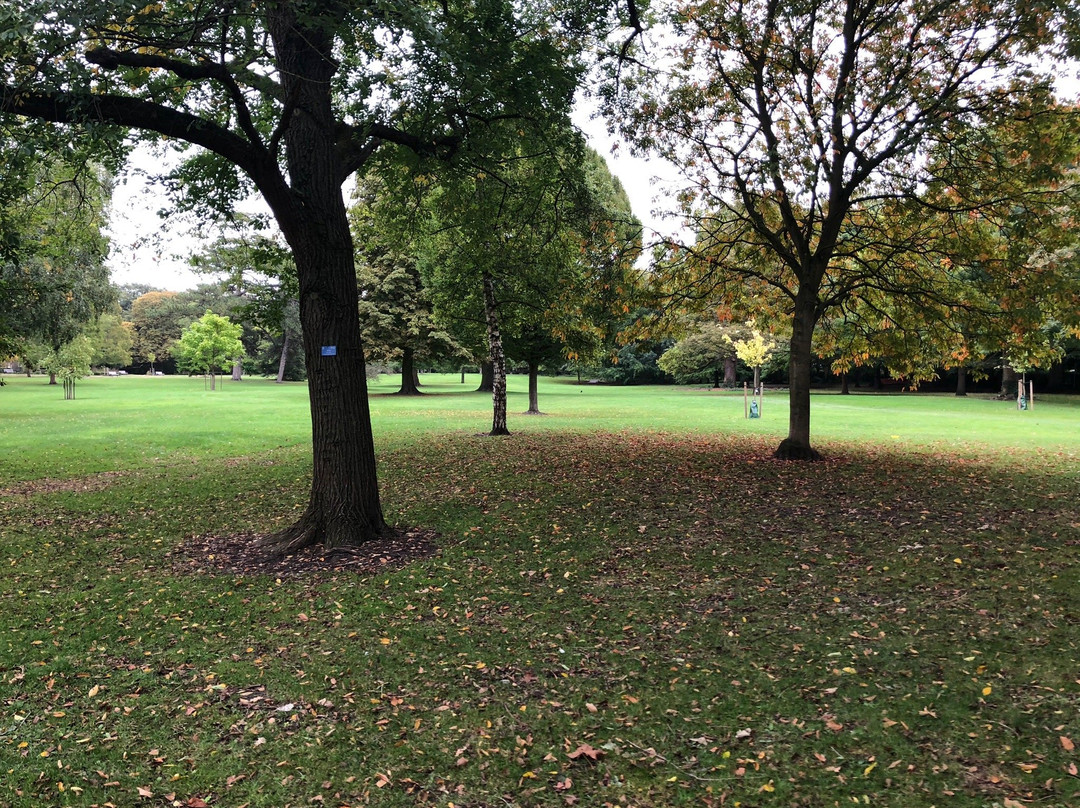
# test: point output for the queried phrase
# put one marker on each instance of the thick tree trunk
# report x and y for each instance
(729, 370)
(844, 389)
(961, 381)
(498, 360)
(52, 377)
(237, 370)
(416, 376)
(284, 357)
(797, 444)
(487, 377)
(408, 374)
(534, 406)
(344, 507)
(1008, 381)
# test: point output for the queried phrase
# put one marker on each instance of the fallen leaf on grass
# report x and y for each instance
(586, 751)
(1066, 743)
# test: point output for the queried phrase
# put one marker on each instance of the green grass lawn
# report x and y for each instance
(631, 603)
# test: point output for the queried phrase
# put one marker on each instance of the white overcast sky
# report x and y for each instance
(151, 250)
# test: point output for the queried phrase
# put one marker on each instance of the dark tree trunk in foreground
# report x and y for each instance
(284, 357)
(961, 381)
(498, 360)
(344, 507)
(796, 446)
(408, 374)
(844, 389)
(487, 378)
(534, 405)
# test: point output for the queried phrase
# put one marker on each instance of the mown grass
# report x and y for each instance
(632, 604)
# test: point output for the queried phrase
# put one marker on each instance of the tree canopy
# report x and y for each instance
(53, 277)
(830, 149)
(291, 99)
(210, 344)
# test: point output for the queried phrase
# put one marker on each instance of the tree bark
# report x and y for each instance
(284, 357)
(237, 370)
(1008, 381)
(344, 507)
(487, 377)
(796, 446)
(408, 374)
(961, 381)
(844, 389)
(729, 370)
(534, 405)
(498, 360)
(213, 381)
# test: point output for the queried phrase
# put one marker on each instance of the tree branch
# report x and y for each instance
(216, 71)
(136, 114)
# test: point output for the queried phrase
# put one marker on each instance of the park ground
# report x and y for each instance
(625, 603)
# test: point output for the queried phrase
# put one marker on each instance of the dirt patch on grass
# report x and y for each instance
(51, 485)
(241, 554)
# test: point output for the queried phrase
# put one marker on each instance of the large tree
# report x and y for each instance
(537, 247)
(825, 142)
(291, 99)
(53, 278)
(397, 317)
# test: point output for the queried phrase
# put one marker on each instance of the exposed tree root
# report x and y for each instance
(332, 534)
(794, 450)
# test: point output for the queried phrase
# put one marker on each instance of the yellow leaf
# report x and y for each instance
(385, 641)
(869, 768)
(768, 787)
(986, 691)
